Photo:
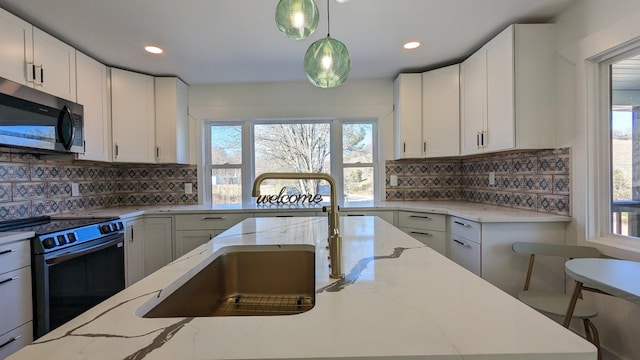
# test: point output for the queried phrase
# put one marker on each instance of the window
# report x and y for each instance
(624, 139)
(238, 151)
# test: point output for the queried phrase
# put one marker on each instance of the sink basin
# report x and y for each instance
(246, 280)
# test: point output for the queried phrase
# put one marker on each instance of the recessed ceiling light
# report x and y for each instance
(412, 45)
(153, 49)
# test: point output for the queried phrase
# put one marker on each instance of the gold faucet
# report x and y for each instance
(334, 238)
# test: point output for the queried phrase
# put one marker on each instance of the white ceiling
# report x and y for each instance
(216, 41)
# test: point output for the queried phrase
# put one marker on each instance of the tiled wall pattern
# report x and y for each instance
(531, 180)
(33, 187)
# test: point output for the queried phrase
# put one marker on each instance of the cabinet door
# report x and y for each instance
(92, 94)
(473, 102)
(133, 117)
(56, 64)
(134, 250)
(157, 243)
(500, 92)
(465, 253)
(407, 116)
(172, 120)
(441, 112)
(15, 297)
(16, 52)
(188, 240)
(16, 339)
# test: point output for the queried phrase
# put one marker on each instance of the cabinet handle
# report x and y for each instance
(404, 149)
(420, 217)
(424, 146)
(10, 341)
(482, 139)
(461, 243)
(355, 215)
(462, 224)
(213, 218)
(7, 280)
(421, 233)
(478, 139)
(284, 216)
(8, 251)
(116, 150)
(33, 73)
(41, 75)
(84, 146)
(157, 151)
(131, 234)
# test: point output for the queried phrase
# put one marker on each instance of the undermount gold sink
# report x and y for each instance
(251, 280)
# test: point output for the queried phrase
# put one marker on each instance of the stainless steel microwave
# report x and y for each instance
(32, 119)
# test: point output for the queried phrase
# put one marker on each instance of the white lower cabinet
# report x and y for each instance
(485, 250)
(148, 246)
(187, 240)
(194, 230)
(16, 312)
(429, 229)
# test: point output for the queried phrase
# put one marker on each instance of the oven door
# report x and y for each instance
(69, 282)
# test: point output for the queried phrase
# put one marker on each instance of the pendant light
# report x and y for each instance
(297, 19)
(327, 61)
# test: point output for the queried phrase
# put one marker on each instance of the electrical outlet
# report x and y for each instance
(492, 178)
(393, 180)
(188, 188)
(75, 189)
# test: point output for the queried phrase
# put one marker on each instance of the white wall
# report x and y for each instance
(585, 30)
(371, 98)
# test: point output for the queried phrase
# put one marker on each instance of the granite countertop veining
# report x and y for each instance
(468, 210)
(400, 299)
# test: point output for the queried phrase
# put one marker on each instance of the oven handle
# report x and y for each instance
(89, 250)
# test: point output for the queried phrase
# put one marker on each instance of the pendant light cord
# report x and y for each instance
(328, 21)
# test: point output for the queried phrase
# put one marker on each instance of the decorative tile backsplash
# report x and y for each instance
(532, 180)
(33, 187)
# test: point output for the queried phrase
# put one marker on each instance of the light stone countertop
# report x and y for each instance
(7, 237)
(400, 299)
(467, 210)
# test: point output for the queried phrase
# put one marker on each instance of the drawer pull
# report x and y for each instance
(421, 233)
(420, 217)
(284, 216)
(355, 215)
(10, 341)
(8, 251)
(462, 224)
(213, 218)
(461, 243)
(7, 280)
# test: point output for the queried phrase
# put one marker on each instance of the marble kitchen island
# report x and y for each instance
(400, 299)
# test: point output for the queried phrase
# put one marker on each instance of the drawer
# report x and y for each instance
(15, 297)
(424, 221)
(384, 215)
(467, 229)
(14, 255)
(437, 240)
(206, 221)
(465, 253)
(16, 339)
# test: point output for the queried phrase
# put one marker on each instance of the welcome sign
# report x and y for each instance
(283, 198)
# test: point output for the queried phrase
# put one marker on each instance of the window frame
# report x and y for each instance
(599, 184)
(248, 153)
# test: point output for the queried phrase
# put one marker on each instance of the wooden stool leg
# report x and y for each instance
(572, 304)
(594, 335)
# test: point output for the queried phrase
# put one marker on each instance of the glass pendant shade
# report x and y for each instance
(327, 63)
(297, 19)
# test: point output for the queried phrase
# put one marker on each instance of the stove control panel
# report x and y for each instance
(65, 238)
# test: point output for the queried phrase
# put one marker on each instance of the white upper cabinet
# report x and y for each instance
(133, 117)
(508, 92)
(16, 37)
(34, 58)
(441, 112)
(172, 120)
(55, 64)
(407, 116)
(93, 94)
